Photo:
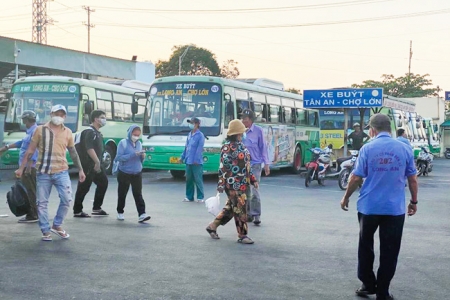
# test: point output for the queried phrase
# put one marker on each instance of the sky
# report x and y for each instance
(306, 44)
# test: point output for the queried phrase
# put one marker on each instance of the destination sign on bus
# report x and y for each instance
(180, 89)
(45, 88)
(343, 98)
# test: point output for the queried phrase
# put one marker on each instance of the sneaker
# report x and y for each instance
(143, 218)
(28, 220)
(257, 220)
(200, 201)
(120, 217)
(187, 200)
(99, 212)
(81, 215)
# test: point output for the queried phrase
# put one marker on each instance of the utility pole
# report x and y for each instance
(89, 25)
(180, 59)
(410, 57)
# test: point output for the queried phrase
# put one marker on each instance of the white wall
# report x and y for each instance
(430, 108)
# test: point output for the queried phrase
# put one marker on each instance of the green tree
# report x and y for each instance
(294, 91)
(229, 69)
(408, 86)
(197, 61)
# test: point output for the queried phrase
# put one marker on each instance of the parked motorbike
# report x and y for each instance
(424, 162)
(346, 169)
(319, 165)
(447, 153)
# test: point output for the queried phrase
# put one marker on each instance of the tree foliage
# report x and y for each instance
(197, 61)
(229, 69)
(294, 91)
(408, 86)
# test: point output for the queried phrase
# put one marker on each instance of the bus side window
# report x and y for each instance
(274, 113)
(301, 117)
(258, 112)
(292, 118)
(241, 105)
(312, 118)
(266, 114)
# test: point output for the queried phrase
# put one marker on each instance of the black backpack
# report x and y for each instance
(18, 200)
(85, 159)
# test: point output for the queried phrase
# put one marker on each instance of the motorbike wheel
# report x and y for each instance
(308, 176)
(343, 179)
(421, 168)
(447, 155)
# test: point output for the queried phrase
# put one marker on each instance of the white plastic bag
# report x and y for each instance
(213, 205)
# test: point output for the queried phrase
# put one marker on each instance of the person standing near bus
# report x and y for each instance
(384, 163)
(402, 137)
(90, 150)
(130, 157)
(358, 137)
(192, 156)
(53, 139)
(256, 145)
(28, 178)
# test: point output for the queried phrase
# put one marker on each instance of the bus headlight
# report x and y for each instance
(205, 159)
(149, 157)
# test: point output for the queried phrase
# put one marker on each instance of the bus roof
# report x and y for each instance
(230, 82)
(79, 81)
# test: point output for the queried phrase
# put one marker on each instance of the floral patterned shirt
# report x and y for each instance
(235, 171)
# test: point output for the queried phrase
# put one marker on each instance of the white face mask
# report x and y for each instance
(134, 138)
(102, 122)
(57, 120)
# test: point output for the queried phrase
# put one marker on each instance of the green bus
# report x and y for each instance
(289, 129)
(123, 106)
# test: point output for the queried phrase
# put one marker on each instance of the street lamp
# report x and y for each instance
(16, 54)
(180, 59)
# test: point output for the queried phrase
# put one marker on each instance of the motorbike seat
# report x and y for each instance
(339, 161)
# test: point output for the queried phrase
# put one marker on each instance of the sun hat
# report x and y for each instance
(236, 127)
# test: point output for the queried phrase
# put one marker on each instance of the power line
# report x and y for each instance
(392, 17)
(243, 10)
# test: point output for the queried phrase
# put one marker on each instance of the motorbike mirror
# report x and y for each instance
(330, 146)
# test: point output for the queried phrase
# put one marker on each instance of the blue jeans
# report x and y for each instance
(194, 177)
(44, 186)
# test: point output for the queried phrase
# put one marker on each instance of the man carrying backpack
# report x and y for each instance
(28, 178)
(90, 149)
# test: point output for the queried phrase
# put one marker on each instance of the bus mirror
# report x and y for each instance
(134, 107)
(88, 107)
(84, 97)
(424, 124)
(227, 96)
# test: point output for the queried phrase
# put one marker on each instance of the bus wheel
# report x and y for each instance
(108, 158)
(178, 174)
(297, 160)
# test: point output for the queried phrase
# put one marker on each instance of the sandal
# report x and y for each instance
(212, 233)
(61, 233)
(245, 240)
(47, 237)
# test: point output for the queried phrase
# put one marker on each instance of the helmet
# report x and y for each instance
(29, 114)
(356, 124)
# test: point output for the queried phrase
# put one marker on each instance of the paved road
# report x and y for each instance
(305, 247)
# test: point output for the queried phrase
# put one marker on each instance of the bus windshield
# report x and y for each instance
(173, 104)
(41, 103)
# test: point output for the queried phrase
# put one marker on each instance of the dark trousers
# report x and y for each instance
(125, 180)
(101, 180)
(390, 232)
(29, 182)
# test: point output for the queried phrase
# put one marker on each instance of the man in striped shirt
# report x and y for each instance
(52, 140)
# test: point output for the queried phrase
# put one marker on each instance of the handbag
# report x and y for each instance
(213, 205)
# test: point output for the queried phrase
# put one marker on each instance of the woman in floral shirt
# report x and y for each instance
(235, 177)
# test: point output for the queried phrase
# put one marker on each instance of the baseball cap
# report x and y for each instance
(194, 120)
(248, 113)
(356, 124)
(58, 107)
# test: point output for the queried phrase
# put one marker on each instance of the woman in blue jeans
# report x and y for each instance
(130, 157)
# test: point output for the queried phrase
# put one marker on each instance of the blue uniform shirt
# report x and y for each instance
(193, 152)
(384, 163)
(404, 140)
(24, 143)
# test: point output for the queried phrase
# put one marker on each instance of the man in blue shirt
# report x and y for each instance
(192, 156)
(384, 163)
(401, 136)
(256, 145)
(29, 176)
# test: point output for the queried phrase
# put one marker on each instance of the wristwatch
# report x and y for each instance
(412, 202)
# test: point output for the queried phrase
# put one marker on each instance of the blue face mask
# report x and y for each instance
(244, 136)
(191, 126)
